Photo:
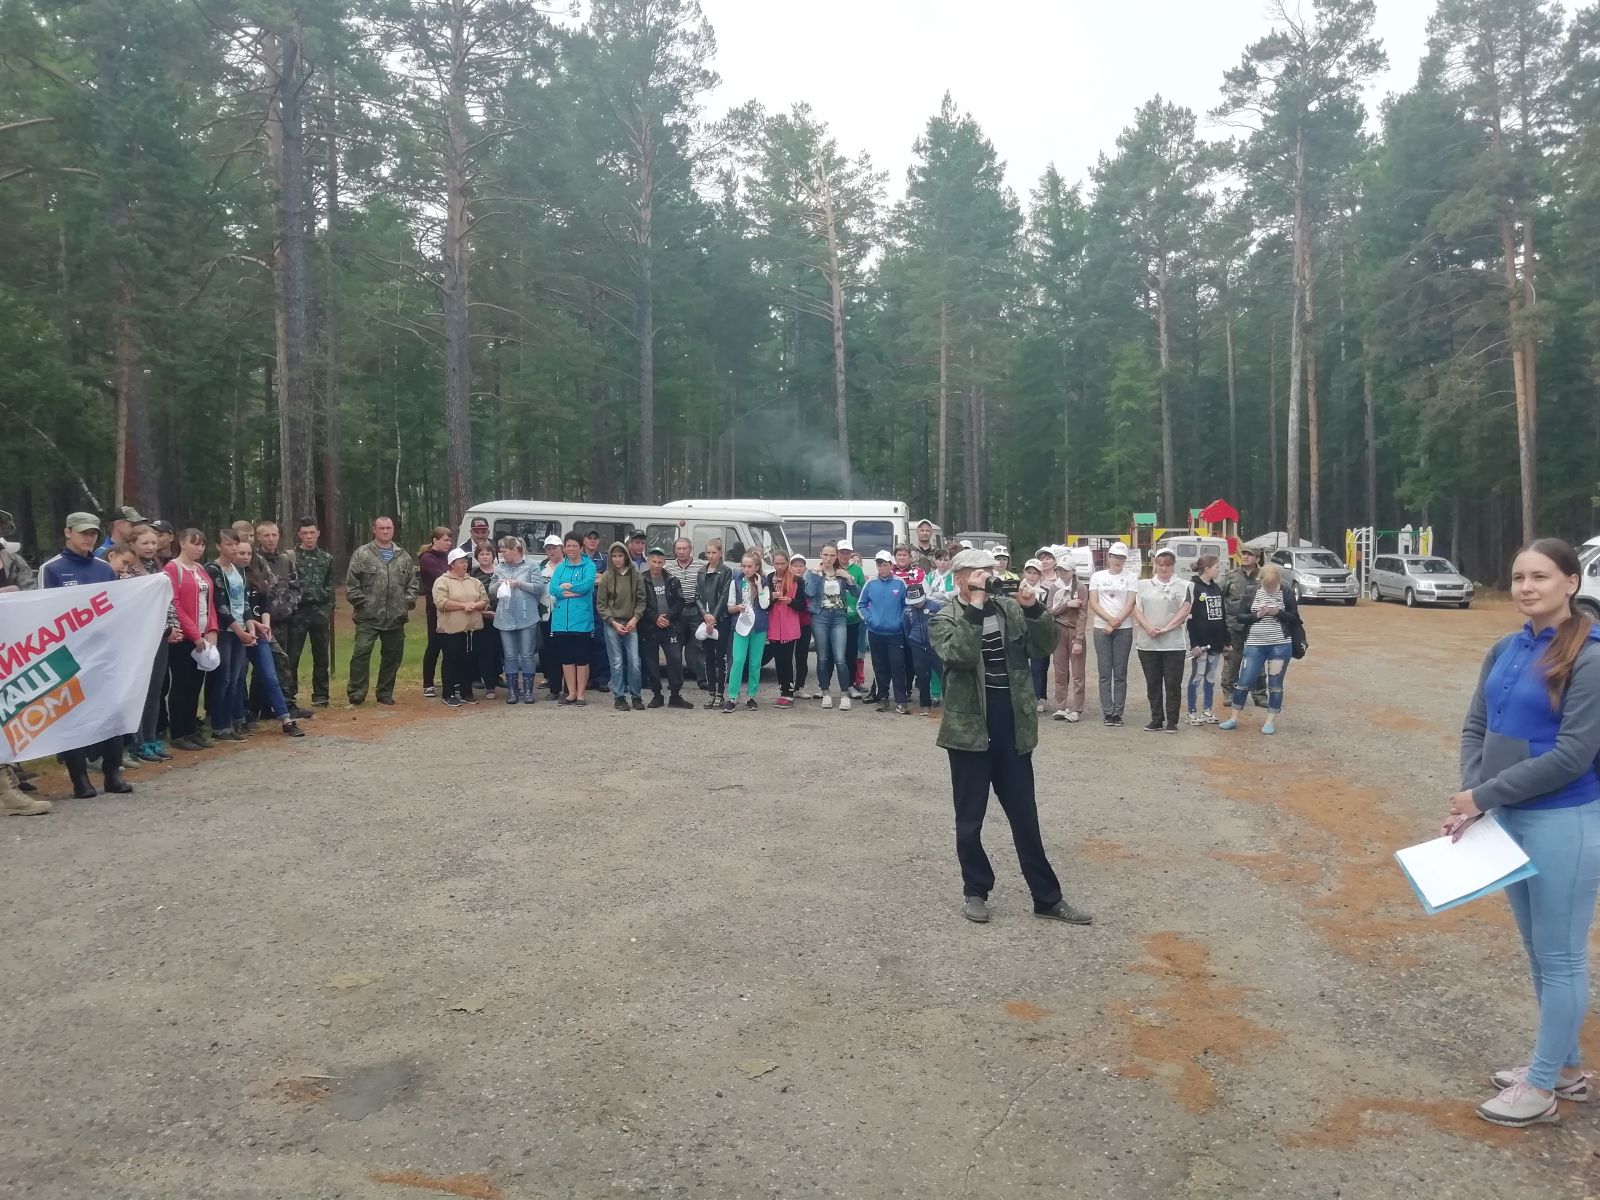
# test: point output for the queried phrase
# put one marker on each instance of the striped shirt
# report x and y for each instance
(995, 671)
(688, 578)
(1267, 631)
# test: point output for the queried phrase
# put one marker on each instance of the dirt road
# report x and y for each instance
(516, 954)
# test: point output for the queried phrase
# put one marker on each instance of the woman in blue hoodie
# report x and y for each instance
(1528, 752)
(572, 617)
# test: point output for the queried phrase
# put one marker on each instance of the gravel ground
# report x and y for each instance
(503, 953)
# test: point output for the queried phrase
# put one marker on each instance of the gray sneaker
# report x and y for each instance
(975, 908)
(1519, 1105)
(1062, 911)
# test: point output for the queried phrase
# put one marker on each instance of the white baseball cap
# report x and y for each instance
(883, 556)
(456, 555)
(1118, 549)
(1050, 550)
(1034, 563)
(1000, 552)
(551, 539)
(966, 545)
(845, 546)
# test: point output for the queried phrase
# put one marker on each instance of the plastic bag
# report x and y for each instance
(503, 592)
(207, 657)
(703, 631)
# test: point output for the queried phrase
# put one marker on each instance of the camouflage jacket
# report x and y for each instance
(958, 640)
(381, 593)
(316, 579)
(1234, 585)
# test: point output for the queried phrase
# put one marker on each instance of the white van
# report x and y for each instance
(868, 525)
(1188, 548)
(533, 520)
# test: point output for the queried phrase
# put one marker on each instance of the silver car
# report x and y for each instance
(1317, 574)
(1418, 579)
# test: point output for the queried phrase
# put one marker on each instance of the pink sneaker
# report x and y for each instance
(1519, 1106)
(1576, 1090)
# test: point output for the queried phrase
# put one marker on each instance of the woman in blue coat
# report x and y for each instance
(1528, 752)
(572, 618)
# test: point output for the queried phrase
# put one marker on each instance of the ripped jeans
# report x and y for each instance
(1274, 660)
(1203, 667)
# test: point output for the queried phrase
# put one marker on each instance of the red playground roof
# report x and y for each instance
(1219, 510)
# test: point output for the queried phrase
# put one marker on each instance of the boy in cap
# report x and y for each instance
(882, 606)
(658, 631)
(989, 729)
(1008, 579)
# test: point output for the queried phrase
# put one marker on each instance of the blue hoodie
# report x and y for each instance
(883, 604)
(67, 569)
(575, 613)
(1516, 748)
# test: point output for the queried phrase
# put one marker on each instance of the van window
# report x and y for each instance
(809, 537)
(732, 542)
(661, 534)
(871, 536)
(771, 537)
(532, 531)
(1183, 549)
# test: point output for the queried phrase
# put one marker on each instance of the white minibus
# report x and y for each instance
(868, 525)
(533, 520)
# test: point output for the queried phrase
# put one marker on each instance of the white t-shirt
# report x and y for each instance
(1111, 592)
(1161, 602)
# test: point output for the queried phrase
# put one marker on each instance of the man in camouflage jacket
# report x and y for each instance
(313, 620)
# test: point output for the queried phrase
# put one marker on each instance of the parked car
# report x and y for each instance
(1588, 597)
(1317, 574)
(1418, 579)
(1188, 547)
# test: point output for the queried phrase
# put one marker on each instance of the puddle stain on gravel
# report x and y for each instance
(1354, 1120)
(302, 1089)
(1342, 850)
(1021, 1010)
(1105, 851)
(360, 1093)
(1195, 1020)
(471, 1187)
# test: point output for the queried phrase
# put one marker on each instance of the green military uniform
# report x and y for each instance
(382, 595)
(1030, 633)
(1234, 585)
(312, 622)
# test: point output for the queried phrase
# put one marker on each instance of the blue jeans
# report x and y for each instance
(260, 656)
(828, 630)
(622, 651)
(1203, 668)
(520, 649)
(1274, 660)
(225, 685)
(1553, 910)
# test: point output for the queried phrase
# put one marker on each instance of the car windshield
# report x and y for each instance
(1320, 559)
(1434, 566)
(771, 537)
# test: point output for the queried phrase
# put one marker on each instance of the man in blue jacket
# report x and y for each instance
(882, 606)
(77, 566)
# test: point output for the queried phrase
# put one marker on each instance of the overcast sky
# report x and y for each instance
(1048, 80)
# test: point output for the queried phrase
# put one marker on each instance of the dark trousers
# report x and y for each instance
(714, 656)
(889, 666)
(1040, 667)
(1230, 667)
(972, 774)
(313, 628)
(783, 664)
(549, 663)
(391, 649)
(599, 657)
(150, 724)
(926, 668)
(455, 651)
(107, 753)
(430, 654)
(802, 655)
(225, 685)
(693, 651)
(183, 699)
(852, 651)
(653, 643)
(1163, 683)
(488, 657)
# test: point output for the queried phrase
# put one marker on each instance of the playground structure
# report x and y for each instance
(1219, 519)
(1361, 544)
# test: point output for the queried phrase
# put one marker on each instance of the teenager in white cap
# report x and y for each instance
(989, 729)
(1161, 613)
(1068, 601)
(1111, 598)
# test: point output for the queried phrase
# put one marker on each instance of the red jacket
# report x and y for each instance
(186, 598)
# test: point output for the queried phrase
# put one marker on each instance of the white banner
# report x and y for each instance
(75, 663)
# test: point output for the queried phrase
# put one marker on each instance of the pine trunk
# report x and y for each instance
(836, 295)
(1370, 430)
(944, 407)
(1233, 411)
(332, 435)
(457, 334)
(644, 310)
(1164, 350)
(1313, 423)
(1297, 361)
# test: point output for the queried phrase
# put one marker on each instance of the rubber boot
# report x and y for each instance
(13, 803)
(530, 689)
(115, 783)
(77, 764)
(512, 696)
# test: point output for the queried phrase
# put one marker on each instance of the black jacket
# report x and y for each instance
(254, 601)
(1208, 620)
(652, 604)
(1289, 618)
(713, 591)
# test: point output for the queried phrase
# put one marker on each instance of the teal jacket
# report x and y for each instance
(958, 641)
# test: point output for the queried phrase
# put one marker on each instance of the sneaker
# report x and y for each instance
(290, 729)
(827, 701)
(902, 710)
(1518, 1106)
(386, 700)
(883, 705)
(1153, 727)
(814, 695)
(1072, 716)
(186, 744)
(1269, 728)
(844, 703)
(1208, 717)
(468, 698)
(145, 754)
(1172, 727)
(975, 908)
(429, 693)
(656, 701)
(452, 702)
(563, 700)
(637, 702)
(1059, 715)
(620, 704)
(355, 701)
(1108, 722)
(729, 706)
(488, 693)
(678, 701)
(750, 704)
(1576, 1090)
(1116, 721)
(1196, 719)
(300, 714)
(580, 702)
(783, 702)
(1062, 911)
(1038, 706)
(1230, 723)
(855, 693)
